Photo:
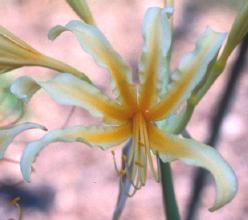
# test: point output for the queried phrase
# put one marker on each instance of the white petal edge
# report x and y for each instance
(197, 154)
(8, 134)
(155, 56)
(189, 74)
(24, 88)
(196, 57)
(116, 135)
(67, 89)
(95, 43)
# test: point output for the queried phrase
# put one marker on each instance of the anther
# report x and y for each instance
(122, 172)
(139, 164)
(15, 203)
(124, 157)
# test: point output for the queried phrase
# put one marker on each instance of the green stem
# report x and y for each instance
(170, 203)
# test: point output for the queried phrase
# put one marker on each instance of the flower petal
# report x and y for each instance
(24, 88)
(105, 137)
(11, 108)
(8, 134)
(154, 65)
(15, 53)
(82, 9)
(94, 43)
(190, 72)
(69, 90)
(197, 154)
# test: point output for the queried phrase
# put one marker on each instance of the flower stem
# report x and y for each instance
(169, 198)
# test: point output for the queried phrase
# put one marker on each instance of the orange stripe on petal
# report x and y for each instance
(94, 43)
(190, 72)
(197, 154)
(69, 90)
(104, 137)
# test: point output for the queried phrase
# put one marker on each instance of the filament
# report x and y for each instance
(134, 167)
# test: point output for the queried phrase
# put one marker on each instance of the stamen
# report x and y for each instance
(139, 164)
(148, 151)
(119, 171)
(124, 158)
(142, 152)
(128, 192)
(15, 203)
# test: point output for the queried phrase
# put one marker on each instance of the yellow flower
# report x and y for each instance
(15, 53)
(139, 111)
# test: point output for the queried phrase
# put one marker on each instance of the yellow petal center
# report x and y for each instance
(140, 155)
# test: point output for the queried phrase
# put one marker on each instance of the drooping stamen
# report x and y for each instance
(15, 203)
(134, 168)
(142, 152)
(139, 159)
(119, 171)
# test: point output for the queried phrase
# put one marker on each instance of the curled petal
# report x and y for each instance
(94, 43)
(104, 137)
(24, 88)
(15, 53)
(69, 90)
(82, 9)
(197, 154)
(154, 63)
(190, 72)
(8, 134)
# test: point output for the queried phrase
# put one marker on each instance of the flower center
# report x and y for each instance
(141, 154)
(134, 166)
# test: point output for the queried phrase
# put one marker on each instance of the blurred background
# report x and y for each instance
(72, 181)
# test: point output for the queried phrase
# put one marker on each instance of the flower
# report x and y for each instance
(15, 53)
(146, 113)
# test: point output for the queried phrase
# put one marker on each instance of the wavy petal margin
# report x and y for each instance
(69, 90)
(154, 65)
(93, 42)
(190, 72)
(197, 154)
(104, 137)
(8, 134)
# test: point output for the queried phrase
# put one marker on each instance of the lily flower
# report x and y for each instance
(15, 53)
(137, 110)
